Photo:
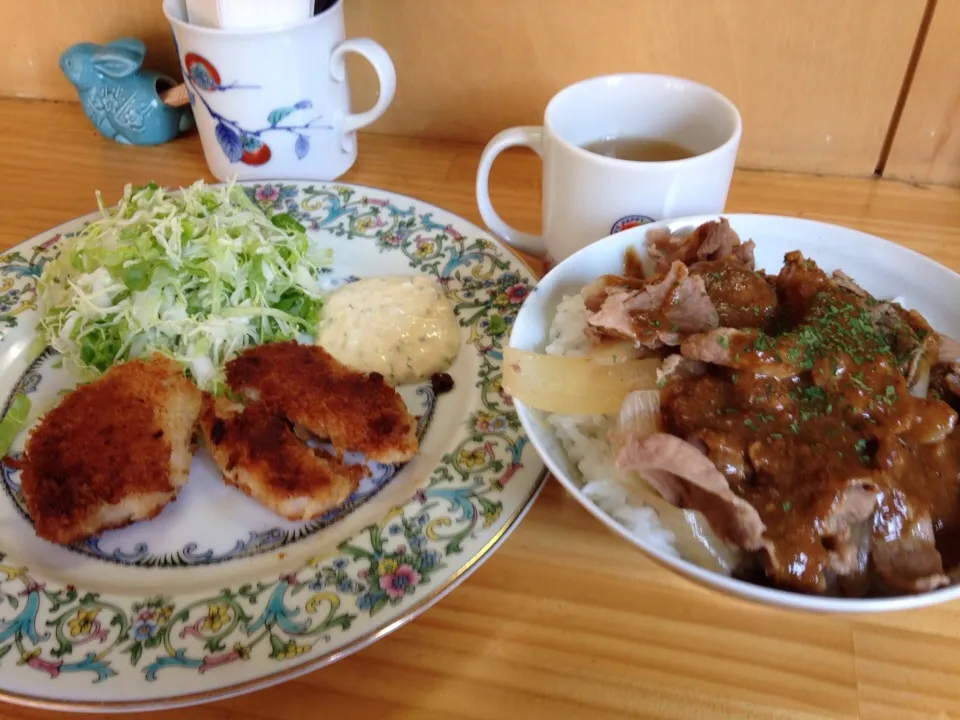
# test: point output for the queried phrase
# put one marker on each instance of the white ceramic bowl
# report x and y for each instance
(884, 269)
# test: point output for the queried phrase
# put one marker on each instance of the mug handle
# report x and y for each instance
(386, 74)
(528, 136)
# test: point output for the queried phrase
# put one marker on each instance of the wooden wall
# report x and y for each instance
(488, 64)
(34, 33)
(927, 144)
(817, 81)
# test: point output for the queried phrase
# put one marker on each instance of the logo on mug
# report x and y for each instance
(625, 223)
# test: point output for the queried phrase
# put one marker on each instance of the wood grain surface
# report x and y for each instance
(926, 147)
(816, 80)
(473, 68)
(565, 620)
(33, 34)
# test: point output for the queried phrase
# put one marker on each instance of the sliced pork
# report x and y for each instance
(679, 366)
(747, 350)
(743, 297)
(686, 477)
(909, 563)
(659, 313)
(714, 240)
(848, 283)
(948, 350)
(600, 289)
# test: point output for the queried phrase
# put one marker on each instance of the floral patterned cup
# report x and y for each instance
(274, 103)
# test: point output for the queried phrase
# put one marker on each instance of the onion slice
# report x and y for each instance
(640, 413)
(921, 379)
(949, 352)
(694, 539)
(574, 385)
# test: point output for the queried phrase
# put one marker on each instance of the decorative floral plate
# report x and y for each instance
(217, 596)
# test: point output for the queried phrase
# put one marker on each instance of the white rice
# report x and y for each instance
(584, 438)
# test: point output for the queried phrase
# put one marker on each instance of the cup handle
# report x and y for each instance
(386, 74)
(531, 137)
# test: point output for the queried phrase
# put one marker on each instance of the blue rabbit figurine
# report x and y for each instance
(120, 99)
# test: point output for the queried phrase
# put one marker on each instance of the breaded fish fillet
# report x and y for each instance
(114, 451)
(258, 452)
(355, 411)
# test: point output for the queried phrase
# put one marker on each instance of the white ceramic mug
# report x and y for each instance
(274, 104)
(587, 196)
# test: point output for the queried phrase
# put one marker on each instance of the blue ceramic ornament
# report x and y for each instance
(121, 100)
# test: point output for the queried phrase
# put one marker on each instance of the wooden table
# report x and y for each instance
(566, 620)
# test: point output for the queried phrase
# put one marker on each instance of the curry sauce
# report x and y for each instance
(816, 403)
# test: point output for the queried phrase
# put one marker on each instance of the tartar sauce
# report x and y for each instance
(402, 327)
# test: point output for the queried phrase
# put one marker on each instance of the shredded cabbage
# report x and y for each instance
(198, 275)
(14, 421)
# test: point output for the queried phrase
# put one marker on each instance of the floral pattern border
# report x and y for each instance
(304, 613)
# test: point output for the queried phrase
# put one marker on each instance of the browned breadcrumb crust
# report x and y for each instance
(106, 443)
(355, 411)
(259, 453)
